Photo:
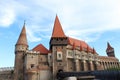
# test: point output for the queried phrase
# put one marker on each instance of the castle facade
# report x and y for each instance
(65, 53)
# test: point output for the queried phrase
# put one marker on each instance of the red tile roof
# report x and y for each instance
(57, 30)
(78, 43)
(41, 48)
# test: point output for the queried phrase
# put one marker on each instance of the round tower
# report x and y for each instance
(20, 48)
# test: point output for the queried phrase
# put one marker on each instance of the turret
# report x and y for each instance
(22, 44)
(20, 48)
(58, 37)
(110, 50)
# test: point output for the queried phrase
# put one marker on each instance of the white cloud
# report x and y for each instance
(9, 11)
(79, 18)
(7, 15)
(31, 36)
(36, 33)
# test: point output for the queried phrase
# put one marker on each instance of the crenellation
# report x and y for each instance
(6, 68)
(32, 52)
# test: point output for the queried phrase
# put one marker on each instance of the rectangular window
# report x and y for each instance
(59, 55)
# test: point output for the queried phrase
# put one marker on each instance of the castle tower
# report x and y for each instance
(110, 50)
(58, 45)
(20, 48)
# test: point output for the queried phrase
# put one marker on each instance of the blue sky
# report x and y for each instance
(94, 21)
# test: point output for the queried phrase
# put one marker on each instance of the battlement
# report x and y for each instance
(6, 69)
(32, 52)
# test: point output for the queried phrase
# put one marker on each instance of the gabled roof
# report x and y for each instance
(57, 30)
(41, 49)
(79, 43)
(109, 46)
(22, 40)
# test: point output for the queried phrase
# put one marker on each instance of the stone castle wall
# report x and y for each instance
(6, 73)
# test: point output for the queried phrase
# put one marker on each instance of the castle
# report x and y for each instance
(65, 53)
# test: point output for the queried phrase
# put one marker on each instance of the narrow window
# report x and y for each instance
(32, 65)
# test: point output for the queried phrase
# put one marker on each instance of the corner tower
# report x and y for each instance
(110, 50)
(20, 48)
(58, 45)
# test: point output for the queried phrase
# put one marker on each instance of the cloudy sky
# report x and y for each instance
(93, 21)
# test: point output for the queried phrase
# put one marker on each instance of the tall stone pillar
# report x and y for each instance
(98, 66)
(77, 68)
(80, 65)
(109, 65)
(118, 64)
(102, 65)
(113, 65)
(91, 65)
(84, 67)
(105, 65)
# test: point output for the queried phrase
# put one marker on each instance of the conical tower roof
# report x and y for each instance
(57, 30)
(109, 46)
(22, 40)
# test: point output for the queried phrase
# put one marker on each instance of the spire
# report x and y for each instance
(88, 50)
(94, 52)
(22, 40)
(108, 46)
(81, 47)
(74, 46)
(110, 50)
(57, 30)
